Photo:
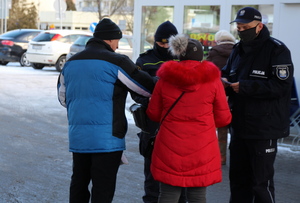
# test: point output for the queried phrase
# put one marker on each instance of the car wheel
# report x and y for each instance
(60, 63)
(37, 65)
(3, 63)
(24, 61)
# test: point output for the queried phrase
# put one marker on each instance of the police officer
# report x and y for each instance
(150, 61)
(260, 71)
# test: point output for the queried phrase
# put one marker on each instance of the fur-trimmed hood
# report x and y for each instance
(188, 74)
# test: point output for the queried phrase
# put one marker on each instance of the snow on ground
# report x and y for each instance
(128, 114)
(16, 68)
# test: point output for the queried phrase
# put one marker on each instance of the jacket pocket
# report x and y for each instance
(257, 116)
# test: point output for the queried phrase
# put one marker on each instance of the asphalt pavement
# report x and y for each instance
(35, 165)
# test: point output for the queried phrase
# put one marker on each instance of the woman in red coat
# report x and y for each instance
(186, 151)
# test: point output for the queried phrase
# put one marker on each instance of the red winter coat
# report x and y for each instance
(186, 151)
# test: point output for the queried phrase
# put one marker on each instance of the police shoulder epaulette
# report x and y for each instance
(146, 52)
(276, 41)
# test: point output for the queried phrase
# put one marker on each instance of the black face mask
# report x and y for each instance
(163, 53)
(248, 35)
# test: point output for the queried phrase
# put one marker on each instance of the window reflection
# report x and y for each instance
(152, 17)
(267, 12)
(201, 23)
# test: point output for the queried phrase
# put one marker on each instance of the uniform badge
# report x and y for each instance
(242, 12)
(282, 72)
(164, 40)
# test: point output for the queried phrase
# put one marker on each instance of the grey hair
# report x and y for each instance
(178, 44)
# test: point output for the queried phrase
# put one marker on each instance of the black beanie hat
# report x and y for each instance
(186, 48)
(165, 31)
(107, 30)
(194, 51)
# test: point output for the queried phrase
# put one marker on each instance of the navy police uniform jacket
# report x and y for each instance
(150, 61)
(264, 70)
(93, 86)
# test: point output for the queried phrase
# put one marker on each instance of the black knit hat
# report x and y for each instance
(186, 48)
(107, 30)
(164, 31)
(194, 51)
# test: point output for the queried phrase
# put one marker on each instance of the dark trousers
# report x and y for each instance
(222, 138)
(101, 169)
(251, 170)
(171, 194)
(151, 186)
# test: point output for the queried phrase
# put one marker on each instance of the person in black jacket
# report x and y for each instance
(260, 72)
(150, 61)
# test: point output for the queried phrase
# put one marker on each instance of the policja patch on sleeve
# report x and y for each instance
(282, 71)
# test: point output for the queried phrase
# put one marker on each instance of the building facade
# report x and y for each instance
(50, 16)
(202, 19)
(120, 11)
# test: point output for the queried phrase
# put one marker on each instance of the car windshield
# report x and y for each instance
(44, 37)
(12, 34)
(82, 40)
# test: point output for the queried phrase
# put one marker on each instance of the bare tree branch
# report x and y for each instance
(109, 8)
(115, 6)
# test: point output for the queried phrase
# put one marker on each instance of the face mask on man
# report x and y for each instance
(248, 35)
(163, 52)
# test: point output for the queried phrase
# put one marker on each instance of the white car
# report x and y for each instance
(125, 45)
(50, 48)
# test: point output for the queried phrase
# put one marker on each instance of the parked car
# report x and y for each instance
(125, 45)
(78, 45)
(13, 45)
(50, 48)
